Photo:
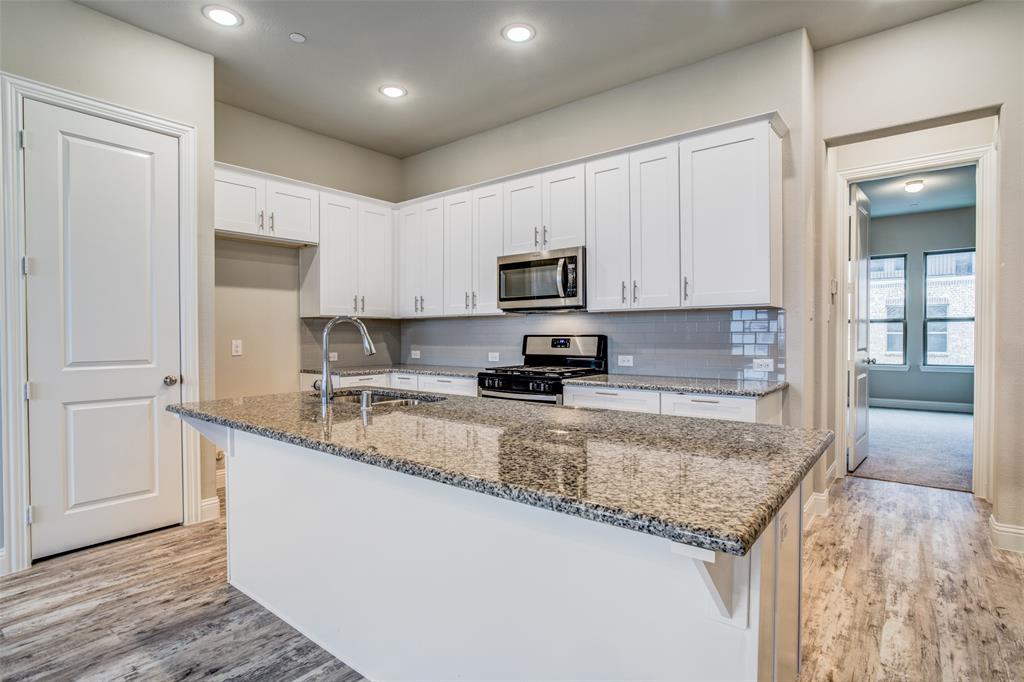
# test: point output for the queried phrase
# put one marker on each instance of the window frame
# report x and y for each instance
(924, 303)
(891, 320)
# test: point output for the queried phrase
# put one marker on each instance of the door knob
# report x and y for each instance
(170, 380)
(871, 361)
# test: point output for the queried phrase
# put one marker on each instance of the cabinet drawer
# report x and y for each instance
(612, 399)
(709, 406)
(408, 381)
(364, 380)
(453, 385)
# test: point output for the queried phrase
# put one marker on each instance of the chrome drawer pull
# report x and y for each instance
(702, 400)
(605, 393)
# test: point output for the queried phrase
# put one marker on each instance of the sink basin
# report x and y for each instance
(382, 397)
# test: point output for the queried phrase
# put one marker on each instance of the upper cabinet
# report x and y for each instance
(488, 222)
(255, 206)
(351, 272)
(731, 197)
(458, 254)
(420, 259)
(545, 211)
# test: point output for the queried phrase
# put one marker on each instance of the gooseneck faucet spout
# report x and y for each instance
(326, 390)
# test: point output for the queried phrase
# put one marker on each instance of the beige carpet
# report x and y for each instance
(920, 448)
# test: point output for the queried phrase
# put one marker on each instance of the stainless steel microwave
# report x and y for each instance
(543, 280)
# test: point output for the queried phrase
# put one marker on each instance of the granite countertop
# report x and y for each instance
(435, 370)
(709, 483)
(737, 387)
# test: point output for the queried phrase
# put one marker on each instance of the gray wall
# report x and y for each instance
(345, 340)
(913, 235)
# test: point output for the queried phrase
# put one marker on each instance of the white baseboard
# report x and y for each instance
(209, 509)
(816, 505)
(220, 478)
(928, 405)
(1005, 536)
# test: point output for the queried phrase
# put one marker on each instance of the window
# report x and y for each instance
(949, 308)
(887, 284)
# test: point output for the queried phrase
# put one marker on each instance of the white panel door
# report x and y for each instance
(523, 215)
(410, 261)
(338, 251)
(564, 223)
(860, 211)
(432, 253)
(374, 260)
(294, 212)
(458, 254)
(101, 211)
(654, 227)
(608, 243)
(239, 200)
(726, 217)
(488, 219)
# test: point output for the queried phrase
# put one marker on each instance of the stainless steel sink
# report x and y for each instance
(382, 398)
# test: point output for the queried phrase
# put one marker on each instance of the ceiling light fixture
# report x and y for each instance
(914, 186)
(297, 38)
(222, 15)
(518, 33)
(393, 91)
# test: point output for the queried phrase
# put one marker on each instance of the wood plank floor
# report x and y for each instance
(901, 583)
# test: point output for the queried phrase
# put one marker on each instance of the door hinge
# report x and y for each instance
(28, 515)
(28, 390)
(21, 139)
(833, 290)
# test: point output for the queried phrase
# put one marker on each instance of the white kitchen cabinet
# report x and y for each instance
(401, 380)
(625, 400)
(730, 408)
(444, 384)
(730, 194)
(523, 214)
(632, 221)
(488, 221)
(458, 254)
(421, 259)
(263, 207)
(378, 380)
(351, 271)
(562, 199)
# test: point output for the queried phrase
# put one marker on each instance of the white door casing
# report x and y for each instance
(102, 230)
(860, 328)
(458, 254)
(488, 235)
(608, 236)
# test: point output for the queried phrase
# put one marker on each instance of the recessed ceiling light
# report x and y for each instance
(518, 33)
(297, 37)
(222, 15)
(914, 186)
(393, 91)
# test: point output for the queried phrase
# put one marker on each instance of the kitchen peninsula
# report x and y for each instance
(489, 539)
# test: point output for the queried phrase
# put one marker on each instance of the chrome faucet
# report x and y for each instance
(326, 390)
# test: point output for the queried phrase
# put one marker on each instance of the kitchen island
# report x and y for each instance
(467, 538)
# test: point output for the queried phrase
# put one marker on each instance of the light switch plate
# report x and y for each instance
(236, 347)
(332, 356)
(764, 364)
(625, 361)
(415, 355)
(493, 357)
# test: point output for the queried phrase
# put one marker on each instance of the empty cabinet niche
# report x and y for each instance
(256, 206)
(351, 271)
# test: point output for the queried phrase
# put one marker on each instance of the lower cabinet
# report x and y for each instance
(400, 380)
(766, 409)
(612, 399)
(450, 385)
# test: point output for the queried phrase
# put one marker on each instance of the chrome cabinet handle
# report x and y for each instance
(170, 380)
(444, 381)
(363, 306)
(612, 393)
(704, 400)
(422, 306)
(261, 219)
(536, 239)
(474, 300)
(623, 291)
(544, 241)
(467, 300)
(271, 221)
(415, 304)
(635, 297)
(355, 303)
(686, 288)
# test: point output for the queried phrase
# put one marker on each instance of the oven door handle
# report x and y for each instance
(533, 397)
(562, 278)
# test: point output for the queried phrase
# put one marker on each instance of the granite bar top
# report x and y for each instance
(709, 483)
(433, 370)
(737, 387)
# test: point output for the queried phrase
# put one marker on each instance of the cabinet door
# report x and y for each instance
(239, 200)
(452, 385)
(380, 380)
(458, 254)
(294, 212)
(337, 255)
(406, 381)
(410, 260)
(374, 260)
(654, 227)
(522, 215)
(607, 189)
(730, 408)
(726, 217)
(612, 399)
(488, 220)
(564, 223)
(432, 254)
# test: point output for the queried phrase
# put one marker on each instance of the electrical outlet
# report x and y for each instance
(415, 355)
(493, 357)
(764, 364)
(332, 356)
(625, 361)
(236, 347)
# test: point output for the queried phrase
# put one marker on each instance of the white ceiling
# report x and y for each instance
(943, 189)
(461, 75)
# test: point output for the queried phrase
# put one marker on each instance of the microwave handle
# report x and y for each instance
(563, 275)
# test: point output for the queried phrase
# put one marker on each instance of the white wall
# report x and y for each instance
(964, 60)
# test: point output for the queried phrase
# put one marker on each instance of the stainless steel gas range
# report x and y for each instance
(547, 361)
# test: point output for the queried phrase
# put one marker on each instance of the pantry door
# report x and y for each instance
(103, 328)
